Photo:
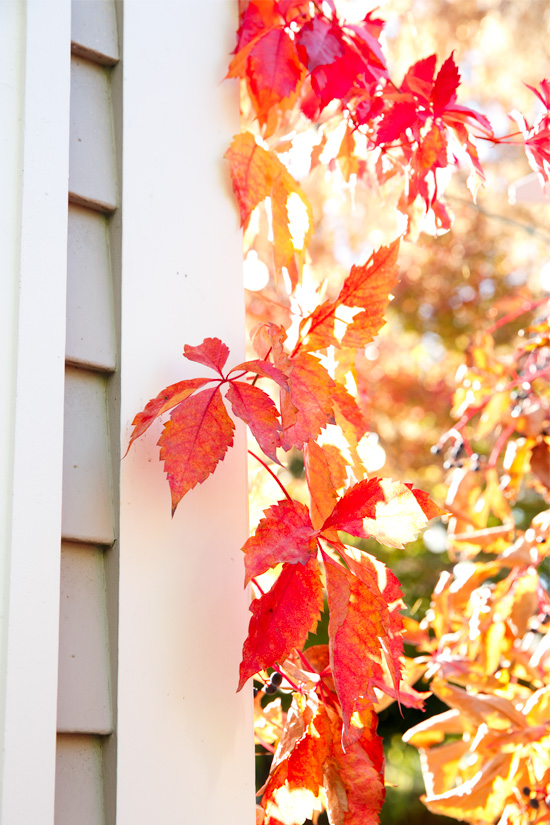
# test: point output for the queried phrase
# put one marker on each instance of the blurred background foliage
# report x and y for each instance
(492, 262)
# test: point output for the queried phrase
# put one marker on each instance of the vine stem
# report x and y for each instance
(272, 474)
(499, 444)
(527, 306)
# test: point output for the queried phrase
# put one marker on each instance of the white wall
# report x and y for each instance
(185, 751)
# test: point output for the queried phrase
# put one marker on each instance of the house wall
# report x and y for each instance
(121, 627)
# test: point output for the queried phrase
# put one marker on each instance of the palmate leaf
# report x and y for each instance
(282, 618)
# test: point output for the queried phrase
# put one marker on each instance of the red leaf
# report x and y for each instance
(419, 79)
(445, 85)
(258, 174)
(389, 511)
(256, 408)
(298, 764)
(282, 618)
(212, 353)
(308, 407)
(274, 71)
(285, 535)
(319, 42)
(194, 440)
(398, 119)
(357, 503)
(346, 406)
(166, 400)
(372, 281)
(355, 780)
(358, 615)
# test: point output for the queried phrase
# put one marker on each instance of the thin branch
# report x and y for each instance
(271, 473)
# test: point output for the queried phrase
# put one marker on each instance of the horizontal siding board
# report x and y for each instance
(94, 31)
(87, 508)
(92, 162)
(90, 337)
(84, 701)
(79, 781)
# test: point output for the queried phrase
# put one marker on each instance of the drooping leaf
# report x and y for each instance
(195, 439)
(212, 353)
(357, 618)
(307, 408)
(282, 618)
(258, 174)
(257, 409)
(325, 473)
(297, 772)
(354, 778)
(284, 535)
(165, 400)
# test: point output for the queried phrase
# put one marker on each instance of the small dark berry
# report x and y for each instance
(270, 689)
(276, 678)
(534, 803)
(526, 791)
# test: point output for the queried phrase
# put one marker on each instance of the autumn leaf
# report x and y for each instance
(325, 473)
(212, 353)
(389, 511)
(368, 288)
(284, 535)
(194, 440)
(357, 624)
(257, 409)
(354, 780)
(297, 772)
(165, 400)
(307, 408)
(282, 618)
(258, 174)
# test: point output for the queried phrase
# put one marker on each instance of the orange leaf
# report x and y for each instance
(258, 174)
(282, 618)
(194, 440)
(367, 287)
(308, 407)
(320, 481)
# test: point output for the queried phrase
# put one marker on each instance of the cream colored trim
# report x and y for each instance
(34, 99)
